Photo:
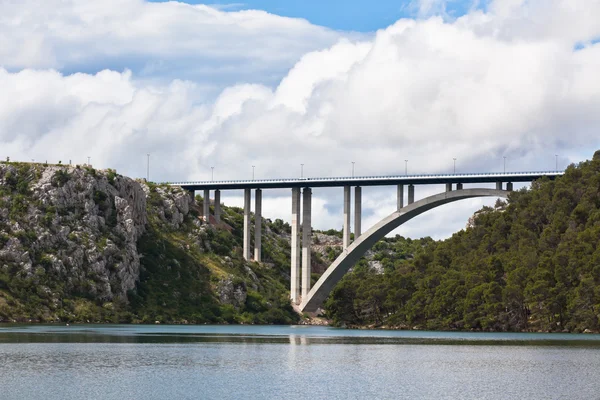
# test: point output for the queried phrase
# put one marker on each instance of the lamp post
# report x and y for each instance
(405, 167)
(253, 172)
(353, 169)
(148, 168)
(454, 165)
(301, 171)
(504, 163)
(212, 173)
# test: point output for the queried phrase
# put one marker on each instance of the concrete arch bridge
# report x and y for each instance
(309, 299)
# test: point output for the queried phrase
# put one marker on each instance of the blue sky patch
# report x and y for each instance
(348, 15)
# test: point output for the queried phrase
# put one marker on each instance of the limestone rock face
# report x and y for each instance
(77, 224)
(232, 293)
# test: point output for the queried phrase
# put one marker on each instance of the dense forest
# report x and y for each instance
(529, 264)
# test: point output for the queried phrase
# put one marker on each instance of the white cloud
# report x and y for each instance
(156, 39)
(487, 85)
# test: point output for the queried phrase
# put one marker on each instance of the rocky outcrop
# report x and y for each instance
(76, 224)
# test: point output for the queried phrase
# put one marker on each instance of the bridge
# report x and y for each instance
(310, 299)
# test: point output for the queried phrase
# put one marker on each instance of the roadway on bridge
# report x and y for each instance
(369, 180)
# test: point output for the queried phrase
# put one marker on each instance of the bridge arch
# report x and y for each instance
(359, 247)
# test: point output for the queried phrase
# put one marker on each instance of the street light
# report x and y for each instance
(405, 167)
(253, 172)
(212, 173)
(353, 169)
(504, 163)
(148, 168)
(454, 165)
(301, 170)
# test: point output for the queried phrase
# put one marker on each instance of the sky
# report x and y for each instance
(344, 15)
(324, 84)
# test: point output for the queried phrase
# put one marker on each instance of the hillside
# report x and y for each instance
(80, 244)
(532, 263)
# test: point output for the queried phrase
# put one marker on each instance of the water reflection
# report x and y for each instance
(189, 362)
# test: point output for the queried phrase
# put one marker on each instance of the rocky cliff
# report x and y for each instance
(80, 244)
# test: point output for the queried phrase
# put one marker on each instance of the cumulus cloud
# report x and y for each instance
(155, 39)
(490, 84)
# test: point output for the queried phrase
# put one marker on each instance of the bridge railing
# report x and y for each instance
(367, 178)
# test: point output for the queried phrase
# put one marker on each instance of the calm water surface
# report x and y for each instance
(296, 362)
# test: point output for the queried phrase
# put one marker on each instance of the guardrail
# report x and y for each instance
(369, 178)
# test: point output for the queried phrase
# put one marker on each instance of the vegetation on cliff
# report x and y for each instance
(84, 245)
(532, 263)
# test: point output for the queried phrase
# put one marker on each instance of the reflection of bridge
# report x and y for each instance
(301, 293)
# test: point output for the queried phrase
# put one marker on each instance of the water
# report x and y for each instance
(268, 362)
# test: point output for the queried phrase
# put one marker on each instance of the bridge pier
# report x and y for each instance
(498, 185)
(357, 211)
(306, 240)
(509, 186)
(459, 186)
(257, 225)
(246, 224)
(346, 228)
(411, 194)
(206, 206)
(217, 206)
(448, 187)
(400, 196)
(295, 256)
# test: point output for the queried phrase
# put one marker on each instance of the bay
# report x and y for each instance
(291, 362)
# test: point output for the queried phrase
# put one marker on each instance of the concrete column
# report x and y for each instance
(411, 194)
(217, 206)
(357, 211)
(459, 186)
(295, 271)
(306, 240)
(509, 186)
(206, 206)
(346, 228)
(400, 196)
(257, 225)
(498, 185)
(247, 224)
(448, 187)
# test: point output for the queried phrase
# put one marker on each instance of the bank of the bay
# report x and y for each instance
(79, 244)
(529, 264)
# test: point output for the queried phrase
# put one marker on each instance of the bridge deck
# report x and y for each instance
(369, 180)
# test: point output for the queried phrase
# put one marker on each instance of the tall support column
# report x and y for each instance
(346, 228)
(257, 225)
(357, 211)
(306, 240)
(411, 194)
(459, 186)
(448, 187)
(498, 185)
(509, 186)
(206, 206)
(400, 196)
(247, 224)
(217, 206)
(295, 271)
